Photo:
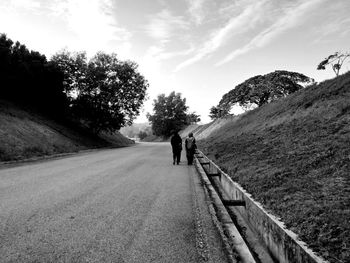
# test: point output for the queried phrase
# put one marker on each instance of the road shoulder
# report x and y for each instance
(208, 241)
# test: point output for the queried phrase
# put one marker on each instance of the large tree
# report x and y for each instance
(170, 114)
(74, 66)
(106, 93)
(260, 90)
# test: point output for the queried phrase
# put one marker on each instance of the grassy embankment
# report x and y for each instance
(293, 156)
(25, 134)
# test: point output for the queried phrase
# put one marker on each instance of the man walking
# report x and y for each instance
(176, 144)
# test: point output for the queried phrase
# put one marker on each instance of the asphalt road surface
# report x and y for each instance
(122, 205)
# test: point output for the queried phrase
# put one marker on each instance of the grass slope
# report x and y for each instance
(293, 156)
(24, 134)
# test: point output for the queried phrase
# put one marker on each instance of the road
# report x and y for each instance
(121, 205)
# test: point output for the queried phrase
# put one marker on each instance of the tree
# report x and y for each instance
(193, 118)
(74, 68)
(262, 89)
(105, 93)
(28, 79)
(336, 60)
(114, 93)
(170, 114)
(142, 135)
(218, 112)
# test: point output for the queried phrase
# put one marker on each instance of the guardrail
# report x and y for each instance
(281, 243)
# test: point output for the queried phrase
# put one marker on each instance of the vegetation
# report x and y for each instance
(134, 130)
(336, 61)
(260, 90)
(69, 99)
(193, 118)
(142, 135)
(292, 155)
(102, 94)
(170, 114)
(218, 112)
(27, 78)
(25, 134)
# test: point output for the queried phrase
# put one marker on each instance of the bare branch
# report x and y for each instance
(336, 61)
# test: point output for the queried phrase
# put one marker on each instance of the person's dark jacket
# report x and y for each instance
(176, 143)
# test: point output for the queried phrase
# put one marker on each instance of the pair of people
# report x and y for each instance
(190, 146)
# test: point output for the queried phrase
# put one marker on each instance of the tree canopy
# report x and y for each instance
(27, 78)
(170, 113)
(105, 93)
(74, 69)
(218, 112)
(260, 90)
(336, 60)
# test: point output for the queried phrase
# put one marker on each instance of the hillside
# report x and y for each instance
(25, 134)
(204, 131)
(293, 156)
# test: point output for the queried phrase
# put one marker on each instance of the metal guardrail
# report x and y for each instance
(281, 243)
(236, 247)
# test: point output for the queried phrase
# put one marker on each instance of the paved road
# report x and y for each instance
(121, 205)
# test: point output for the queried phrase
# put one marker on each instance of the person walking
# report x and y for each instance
(176, 144)
(190, 145)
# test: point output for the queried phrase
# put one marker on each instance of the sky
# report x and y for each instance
(200, 48)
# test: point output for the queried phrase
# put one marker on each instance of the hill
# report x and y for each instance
(26, 134)
(205, 130)
(293, 156)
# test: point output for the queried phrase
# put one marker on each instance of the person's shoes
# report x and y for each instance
(173, 162)
(177, 163)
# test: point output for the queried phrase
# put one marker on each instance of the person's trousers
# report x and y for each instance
(190, 155)
(177, 156)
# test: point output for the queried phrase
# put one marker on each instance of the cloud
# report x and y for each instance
(151, 65)
(236, 25)
(32, 5)
(333, 23)
(159, 53)
(196, 10)
(49, 26)
(164, 25)
(93, 24)
(292, 16)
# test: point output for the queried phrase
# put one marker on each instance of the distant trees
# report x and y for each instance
(170, 114)
(336, 61)
(102, 94)
(105, 93)
(134, 130)
(142, 135)
(260, 90)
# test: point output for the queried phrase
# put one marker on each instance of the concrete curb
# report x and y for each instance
(235, 245)
(282, 243)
